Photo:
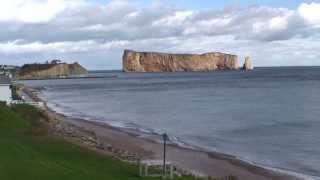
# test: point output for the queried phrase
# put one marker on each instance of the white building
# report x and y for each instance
(5, 89)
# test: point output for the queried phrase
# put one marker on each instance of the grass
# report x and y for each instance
(28, 152)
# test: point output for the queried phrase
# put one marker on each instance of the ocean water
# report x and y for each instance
(270, 116)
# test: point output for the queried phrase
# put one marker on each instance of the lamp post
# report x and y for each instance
(165, 137)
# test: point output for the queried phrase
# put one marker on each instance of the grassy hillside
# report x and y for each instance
(28, 68)
(51, 70)
(27, 152)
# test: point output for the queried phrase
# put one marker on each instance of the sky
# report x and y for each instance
(95, 32)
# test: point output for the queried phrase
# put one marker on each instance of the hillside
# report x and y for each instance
(29, 152)
(50, 70)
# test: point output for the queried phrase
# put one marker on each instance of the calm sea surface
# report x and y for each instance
(270, 116)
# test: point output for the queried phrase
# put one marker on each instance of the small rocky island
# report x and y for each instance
(248, 66)
(53, 69)
(162, 62)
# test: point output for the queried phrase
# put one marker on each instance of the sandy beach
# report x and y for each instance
(196, 161)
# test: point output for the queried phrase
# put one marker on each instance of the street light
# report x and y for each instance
(165, 137)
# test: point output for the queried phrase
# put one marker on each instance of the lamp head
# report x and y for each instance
(165, 136)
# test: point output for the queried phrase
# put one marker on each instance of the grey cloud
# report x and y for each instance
(160, 28)
(125, 22)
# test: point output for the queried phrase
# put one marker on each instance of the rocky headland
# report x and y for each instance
(54, 69)
(162, 62)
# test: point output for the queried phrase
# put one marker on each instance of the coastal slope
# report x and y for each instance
(50, 70)
(162, 62)
(31, 150)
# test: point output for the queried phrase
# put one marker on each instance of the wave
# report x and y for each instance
(290, 172)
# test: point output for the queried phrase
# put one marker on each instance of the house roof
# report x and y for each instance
(4, 80)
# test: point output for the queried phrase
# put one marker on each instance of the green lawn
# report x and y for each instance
(28, 153)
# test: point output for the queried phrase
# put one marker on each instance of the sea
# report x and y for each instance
(268, 116)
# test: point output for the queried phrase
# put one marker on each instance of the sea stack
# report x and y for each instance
(163, 62)
(248, 66)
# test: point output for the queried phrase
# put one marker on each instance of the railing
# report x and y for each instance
(40, 105)
(146, 166)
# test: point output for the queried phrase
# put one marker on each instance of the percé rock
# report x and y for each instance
(247, 66)
(49, 70)
(162, 62)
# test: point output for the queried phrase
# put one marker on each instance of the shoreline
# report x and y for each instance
(67, 77)
(195, 161)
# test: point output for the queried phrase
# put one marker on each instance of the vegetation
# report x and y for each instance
(28, 152)
(14, 91)
(27, 68)
(47, 69)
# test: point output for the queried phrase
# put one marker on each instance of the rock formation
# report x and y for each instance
(248, 66)
(161, 62)
(50, 70)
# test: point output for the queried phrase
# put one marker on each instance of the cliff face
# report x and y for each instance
(248, 64)
(50, 70)
(161, 62)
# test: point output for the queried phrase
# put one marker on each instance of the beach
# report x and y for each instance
(191, 90)
(194, 161)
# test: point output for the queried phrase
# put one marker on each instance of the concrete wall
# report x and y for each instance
(5, 93)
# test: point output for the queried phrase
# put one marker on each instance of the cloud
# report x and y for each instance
(16, 47)
(78, 20)
(69, 27)
(310, 12)
(34, 11)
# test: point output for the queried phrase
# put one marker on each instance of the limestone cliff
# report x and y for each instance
(50, 70)
(248, 64)
(161, 62)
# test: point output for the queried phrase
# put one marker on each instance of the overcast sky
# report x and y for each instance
(95, 32)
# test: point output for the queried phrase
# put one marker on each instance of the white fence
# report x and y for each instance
(144, 167)
(40, 105)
